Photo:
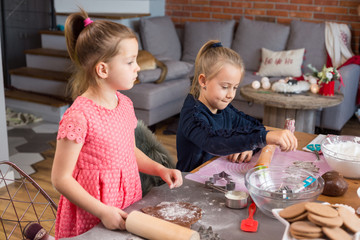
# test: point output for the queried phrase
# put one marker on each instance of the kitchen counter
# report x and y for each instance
(222, 219)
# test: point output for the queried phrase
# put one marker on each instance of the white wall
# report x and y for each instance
(4, 149)
(112, 6)
(154, 7)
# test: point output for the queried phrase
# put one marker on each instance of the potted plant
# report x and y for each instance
(326, 79)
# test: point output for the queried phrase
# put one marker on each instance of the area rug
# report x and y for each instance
(14, 118)
(28, 142)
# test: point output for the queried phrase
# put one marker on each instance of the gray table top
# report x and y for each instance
(223, 220)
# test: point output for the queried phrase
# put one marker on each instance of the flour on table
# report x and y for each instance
(181, 213)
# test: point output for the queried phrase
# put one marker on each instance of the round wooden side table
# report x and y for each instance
(301, 107)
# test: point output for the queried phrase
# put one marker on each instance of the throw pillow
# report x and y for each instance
(310, 36)
(283, 63)
(253, 35)
(197, 34)
(175, 70)
(158, 36)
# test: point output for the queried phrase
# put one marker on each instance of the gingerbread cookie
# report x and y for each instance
(181, 213)
(351, 221)
(293, 211)
(305, 227)
(325, 221)
(298, 218)
(299, 235)
(321, 209)
(336, 233)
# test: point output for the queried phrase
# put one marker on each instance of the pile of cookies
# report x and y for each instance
(314, 220)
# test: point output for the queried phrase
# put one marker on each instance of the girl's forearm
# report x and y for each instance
(76, 194)
(146, 164)
(65, 159)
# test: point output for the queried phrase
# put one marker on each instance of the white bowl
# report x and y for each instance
(347, 165)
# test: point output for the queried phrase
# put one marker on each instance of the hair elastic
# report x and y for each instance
(87, 22)
(215, 45)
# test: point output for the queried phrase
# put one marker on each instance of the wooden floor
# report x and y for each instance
(43, 168)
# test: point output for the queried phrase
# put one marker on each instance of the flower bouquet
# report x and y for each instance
(326, 79)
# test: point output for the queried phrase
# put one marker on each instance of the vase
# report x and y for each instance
(327, 89)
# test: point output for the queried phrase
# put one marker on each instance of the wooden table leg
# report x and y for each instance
(304, 119)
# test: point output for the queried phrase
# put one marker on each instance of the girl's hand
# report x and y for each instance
(233, 157)
(113, 218)
(283, 138)
(172, 177)
(240, 157)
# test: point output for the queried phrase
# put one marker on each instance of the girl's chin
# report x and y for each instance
(222, 106)
(128, 87)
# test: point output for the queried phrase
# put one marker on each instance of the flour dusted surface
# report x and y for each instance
(182, 213)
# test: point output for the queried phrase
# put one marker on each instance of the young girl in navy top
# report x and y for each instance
(209, 125)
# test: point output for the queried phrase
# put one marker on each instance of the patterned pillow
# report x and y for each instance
(283, 63)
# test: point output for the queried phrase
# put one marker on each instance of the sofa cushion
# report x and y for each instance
(139, 40)
(251, 36)
(158, 36)
(197, 34)
(282, 63)
(310, 36)
(176, 70)
(150, 95)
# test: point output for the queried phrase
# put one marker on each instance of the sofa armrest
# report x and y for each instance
(335, 117)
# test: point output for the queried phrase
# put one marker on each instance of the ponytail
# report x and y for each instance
(74, 25)
(209, 61)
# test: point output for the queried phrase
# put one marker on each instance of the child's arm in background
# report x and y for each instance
(66, 155)
(240, 157)
(283, 138)
(221, 143)
(146, 165)
(242, 139)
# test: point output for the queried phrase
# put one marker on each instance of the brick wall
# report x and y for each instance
(279, 11)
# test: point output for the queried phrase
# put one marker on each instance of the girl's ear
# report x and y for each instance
(102, 70)
(202, 80)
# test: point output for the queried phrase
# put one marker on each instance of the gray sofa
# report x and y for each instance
(178, 49)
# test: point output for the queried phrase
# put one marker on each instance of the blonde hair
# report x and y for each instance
(97, 42)
(209, 61)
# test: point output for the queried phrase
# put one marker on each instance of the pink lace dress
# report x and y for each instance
(106, 167)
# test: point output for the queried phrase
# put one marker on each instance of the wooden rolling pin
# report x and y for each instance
(153, 228)
(266, 156)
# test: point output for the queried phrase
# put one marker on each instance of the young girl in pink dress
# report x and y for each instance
(96, 165)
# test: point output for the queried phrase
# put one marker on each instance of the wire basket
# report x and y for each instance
(22, 201)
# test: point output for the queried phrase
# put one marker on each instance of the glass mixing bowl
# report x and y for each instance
(344, 161)
(277, 187)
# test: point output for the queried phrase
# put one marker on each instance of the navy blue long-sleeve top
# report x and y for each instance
(201, 135)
